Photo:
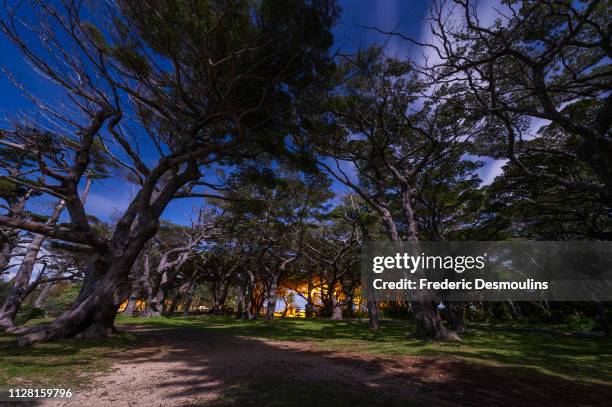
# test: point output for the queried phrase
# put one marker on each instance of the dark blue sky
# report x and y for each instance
(405, 16)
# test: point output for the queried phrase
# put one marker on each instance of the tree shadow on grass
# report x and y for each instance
(584, 358)
(566, 357)
(217, 362)
(210, 368)
(65, 363)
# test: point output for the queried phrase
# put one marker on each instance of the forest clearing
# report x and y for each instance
(305, 202)
(220, 361)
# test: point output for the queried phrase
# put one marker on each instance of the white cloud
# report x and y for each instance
(105, 201)
(490, 170)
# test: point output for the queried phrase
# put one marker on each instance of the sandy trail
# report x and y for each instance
(183, 367)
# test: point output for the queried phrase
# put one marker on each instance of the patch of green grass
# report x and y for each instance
(585, 359)
(68, 362)
(281, 391)
(62, 363)
(572, 358)
(583, 325)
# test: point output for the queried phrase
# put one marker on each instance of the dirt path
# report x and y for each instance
(187, 367)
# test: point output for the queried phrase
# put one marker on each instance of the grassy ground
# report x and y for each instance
(582, 359)
(68, 363)
(586, 359)
(279, 391)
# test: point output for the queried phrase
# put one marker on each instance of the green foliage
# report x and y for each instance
(9, 189)
(27, 313)
(281, 198)
(537, 208)
(61, 298)
(449, 201)
(231, 70)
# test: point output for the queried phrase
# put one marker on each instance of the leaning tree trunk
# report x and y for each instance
(105, 287)
(256, 303)
(155, 299)
(350, 306)
(9, 236)
(243, 301)
(89, 306)
(272, 297)
(429, 323)
(393, 234)
(374, 315)
(140, 285)
(189, 299)
(255, 309)
(131, 305)
(108, 287)
(5, 250)
(309, 311)
(336, 309)
(46, 290)
(219, 292)
(21, 282)
(162, 300)
(249, 301)
(455, 315)
(92, 317)
(174, 303)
